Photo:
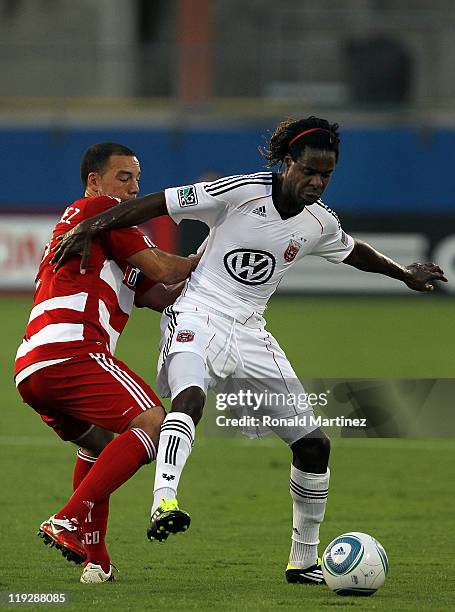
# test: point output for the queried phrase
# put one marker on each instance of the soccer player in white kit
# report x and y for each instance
(260, 225)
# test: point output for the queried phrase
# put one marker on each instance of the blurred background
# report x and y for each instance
(194, 87)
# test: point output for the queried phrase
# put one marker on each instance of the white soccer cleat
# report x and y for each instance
(94, 573)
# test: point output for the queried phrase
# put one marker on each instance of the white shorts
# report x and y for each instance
(237, 357)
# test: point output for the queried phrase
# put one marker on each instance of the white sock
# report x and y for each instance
(309, 497)
(176, 440)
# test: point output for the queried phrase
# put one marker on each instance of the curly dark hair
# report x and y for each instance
(325, 138)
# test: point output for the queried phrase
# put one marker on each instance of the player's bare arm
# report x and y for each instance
(126, 214)
(417, 276)
(164, 267)
(160, 296)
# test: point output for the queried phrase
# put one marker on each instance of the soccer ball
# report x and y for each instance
(354, 564)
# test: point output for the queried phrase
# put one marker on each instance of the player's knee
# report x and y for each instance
(94, 442)
(191, 402)
(150, 421)
(311, 453)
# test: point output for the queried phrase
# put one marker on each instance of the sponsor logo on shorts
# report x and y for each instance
(186, 335)
(250, 267)
(291, 250)
(187, 196)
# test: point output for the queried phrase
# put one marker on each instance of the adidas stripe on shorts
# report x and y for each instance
(235, 355)
(91, 389)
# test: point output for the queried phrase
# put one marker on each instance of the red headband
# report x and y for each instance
(308, 132)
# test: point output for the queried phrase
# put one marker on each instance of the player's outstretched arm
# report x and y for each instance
(164, 267)
(417, 276)
(160, 296)
(126, 214)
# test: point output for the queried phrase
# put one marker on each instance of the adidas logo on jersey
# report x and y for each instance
(260, 210)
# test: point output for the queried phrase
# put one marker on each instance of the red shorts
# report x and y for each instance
(91, 389)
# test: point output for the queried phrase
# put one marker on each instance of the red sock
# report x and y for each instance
(95, 525)
(82, 467)
(116, 464)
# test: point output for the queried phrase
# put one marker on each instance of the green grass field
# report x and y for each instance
(234, 555)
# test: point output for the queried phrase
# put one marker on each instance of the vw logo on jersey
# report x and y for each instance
(250, 267)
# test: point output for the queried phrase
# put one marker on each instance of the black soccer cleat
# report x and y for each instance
(309, 575)
(167, 518)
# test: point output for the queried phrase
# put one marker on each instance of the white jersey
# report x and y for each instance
(250, 247)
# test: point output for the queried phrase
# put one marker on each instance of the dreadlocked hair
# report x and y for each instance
(325, 136)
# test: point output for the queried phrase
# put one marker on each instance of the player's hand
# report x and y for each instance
(77, 241)
(422, 276)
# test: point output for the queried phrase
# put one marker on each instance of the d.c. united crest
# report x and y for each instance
(186, 335)
(291, 250)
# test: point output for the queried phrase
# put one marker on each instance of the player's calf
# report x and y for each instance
(95, 525)
(190, 401)
(309, 485)
(150, 422)
(311, 453)
(94, 441)
(119, 460)
(116, 464)
(176, 441)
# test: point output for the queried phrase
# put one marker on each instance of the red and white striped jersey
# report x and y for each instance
(73, 313)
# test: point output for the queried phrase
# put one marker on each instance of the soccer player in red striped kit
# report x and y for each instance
(65, 367)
